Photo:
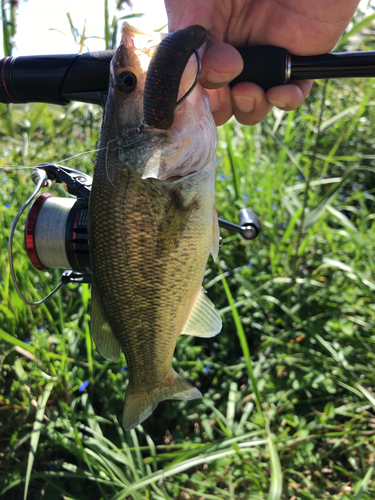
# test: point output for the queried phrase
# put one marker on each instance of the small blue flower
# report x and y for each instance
(217, 160)
(280, 226)
(27, 341)
(245, 198)
(250, 264)
(259, 190)
(41, 329)
(123, 369)
(83, 386)
(8, 205)
(354, 186)
(343, 196)
(367, 194)
(299, 177)
(273, 207)
(344, 214)
(207, 369)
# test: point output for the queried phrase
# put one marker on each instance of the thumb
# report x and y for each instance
(221, 64)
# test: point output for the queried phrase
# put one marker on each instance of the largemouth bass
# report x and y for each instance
(152, 226)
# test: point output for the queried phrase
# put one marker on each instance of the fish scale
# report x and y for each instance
(136, 286)
(150, 239)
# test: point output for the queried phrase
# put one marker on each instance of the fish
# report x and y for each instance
(152, 224)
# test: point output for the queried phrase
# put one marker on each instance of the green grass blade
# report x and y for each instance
(36, 118)
(201, 459)
(312, 217)
(364, 483)
(244, 344)
(356, 29)
(107, 36)
(42, 401)
(276, 487)
(233, 161)
(367, 394)
(131, 16)
(331, 121)
(6, 31)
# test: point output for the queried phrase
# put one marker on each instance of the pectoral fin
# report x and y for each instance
(204, 320)
(101, 332)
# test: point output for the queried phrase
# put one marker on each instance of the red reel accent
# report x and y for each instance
(30, 231)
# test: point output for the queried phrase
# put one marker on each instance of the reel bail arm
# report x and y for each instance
(77, 184)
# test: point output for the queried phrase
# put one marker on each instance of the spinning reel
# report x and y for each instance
(56, 228)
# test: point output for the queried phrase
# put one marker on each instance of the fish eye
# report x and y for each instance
(126, 82)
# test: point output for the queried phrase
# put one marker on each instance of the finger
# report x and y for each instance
(221, 105)
(249, 102)
(290, 96)
(220, 65)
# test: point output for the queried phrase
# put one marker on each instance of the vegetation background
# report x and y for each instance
(288, 407)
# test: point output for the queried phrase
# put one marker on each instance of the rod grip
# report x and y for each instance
(264, 65)
(51, 78)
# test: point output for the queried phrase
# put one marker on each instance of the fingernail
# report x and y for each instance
(244, 103)
(278, 104)
(219, 78)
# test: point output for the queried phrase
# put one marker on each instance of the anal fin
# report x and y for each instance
(204, 320)
(101, 332)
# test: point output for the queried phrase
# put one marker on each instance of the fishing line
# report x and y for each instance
(15, 167)
(139, 131)
(199, 69)
(80, 154)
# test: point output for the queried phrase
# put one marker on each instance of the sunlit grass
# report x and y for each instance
(288, 403)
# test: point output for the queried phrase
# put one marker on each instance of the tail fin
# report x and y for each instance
(140, 404)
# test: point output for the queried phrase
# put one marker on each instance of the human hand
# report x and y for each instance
(303, 28)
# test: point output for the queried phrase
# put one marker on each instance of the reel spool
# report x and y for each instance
(56, 234)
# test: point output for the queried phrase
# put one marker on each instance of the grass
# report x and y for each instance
(288, 408)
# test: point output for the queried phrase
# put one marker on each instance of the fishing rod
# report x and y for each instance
(61, 79)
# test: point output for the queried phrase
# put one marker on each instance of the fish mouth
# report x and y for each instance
(164, 74)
